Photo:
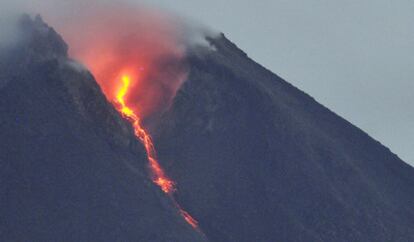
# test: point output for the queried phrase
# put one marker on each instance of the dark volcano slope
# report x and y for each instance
(258, 160)
(70, 167)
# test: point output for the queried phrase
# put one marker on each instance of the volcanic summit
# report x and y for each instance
(250, 157)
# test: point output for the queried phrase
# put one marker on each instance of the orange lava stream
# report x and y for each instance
(158, 174)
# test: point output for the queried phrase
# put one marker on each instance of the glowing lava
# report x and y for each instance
(157, 173)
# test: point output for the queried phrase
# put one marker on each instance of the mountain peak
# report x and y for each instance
(41, 39)
(274, 164)
(255, 159)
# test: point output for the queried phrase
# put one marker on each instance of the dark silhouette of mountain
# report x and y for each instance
(70, 166)
(256, 159)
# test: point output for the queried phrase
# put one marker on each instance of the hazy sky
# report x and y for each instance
(355, 57)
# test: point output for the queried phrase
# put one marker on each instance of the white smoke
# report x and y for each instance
(57, 13)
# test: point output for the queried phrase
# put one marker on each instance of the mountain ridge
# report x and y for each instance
(245, 125)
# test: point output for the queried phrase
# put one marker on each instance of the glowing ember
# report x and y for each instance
(188, 217)
(157, 173)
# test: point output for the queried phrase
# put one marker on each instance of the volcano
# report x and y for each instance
(252, 157)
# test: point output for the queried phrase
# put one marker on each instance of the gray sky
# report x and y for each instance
(355, 57)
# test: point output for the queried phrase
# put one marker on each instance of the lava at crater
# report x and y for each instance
(147, 44)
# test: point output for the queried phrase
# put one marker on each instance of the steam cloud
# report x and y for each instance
(115, 38)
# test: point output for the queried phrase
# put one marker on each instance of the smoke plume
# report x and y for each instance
(117, 38)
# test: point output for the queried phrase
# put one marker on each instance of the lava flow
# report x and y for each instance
(136, 54)
(157, 173)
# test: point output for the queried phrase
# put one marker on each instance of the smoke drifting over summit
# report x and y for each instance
(113, 39)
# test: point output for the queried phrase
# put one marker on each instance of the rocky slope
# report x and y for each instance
(258, 160)
(70, 167)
